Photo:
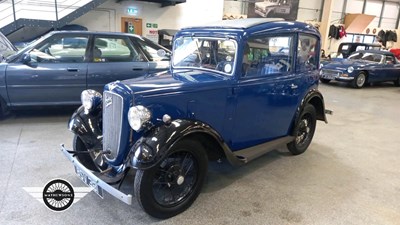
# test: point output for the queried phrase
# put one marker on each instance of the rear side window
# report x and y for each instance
(115, 49)
(307, 57)
(266, 55)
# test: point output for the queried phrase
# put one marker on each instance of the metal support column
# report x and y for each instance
(364, 6)
(398, 18)
(55, 5)
(344, 10)
(382, 9)
(321, 10)
(15, 16)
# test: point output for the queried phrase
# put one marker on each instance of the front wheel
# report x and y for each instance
(360, 80)
(92, 160)
(304, 130)
(172, 185)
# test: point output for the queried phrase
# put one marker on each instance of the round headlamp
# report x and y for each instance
(137, 116)
(90, 98)
(350, 69)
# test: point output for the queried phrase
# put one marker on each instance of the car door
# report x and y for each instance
(114, 58)
(268, 93)
(51, 73)
(389, 69)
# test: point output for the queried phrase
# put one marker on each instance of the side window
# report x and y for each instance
(61, 49)
(306, 53)
(150, 49)
(115, 49)
(267, 55)
(389, 60)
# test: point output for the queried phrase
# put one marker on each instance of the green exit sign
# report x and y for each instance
(132, 11)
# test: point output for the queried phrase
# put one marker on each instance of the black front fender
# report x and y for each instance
(155, 145)
(88, 126)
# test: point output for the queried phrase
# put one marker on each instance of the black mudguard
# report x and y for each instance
(155, 145)
(88, 126)
(315, 98)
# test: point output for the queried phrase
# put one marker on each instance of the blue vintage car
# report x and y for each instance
(56, 68)
(231, 93)
(363, 67)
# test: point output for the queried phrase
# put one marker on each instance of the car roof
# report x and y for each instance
(376, 52)
(237, 23)
(93, 32)
(249, 26)
(357, 43)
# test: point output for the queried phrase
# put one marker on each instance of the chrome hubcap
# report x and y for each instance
(180, 180)
(360, 80)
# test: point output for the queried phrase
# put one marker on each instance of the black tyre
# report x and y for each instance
(93, 161)
(325, 81)
(172, 185)
(304, 130)
(397, 82)
(360, 80)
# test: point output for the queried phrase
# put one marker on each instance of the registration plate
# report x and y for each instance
(91, 183)
(329, 76)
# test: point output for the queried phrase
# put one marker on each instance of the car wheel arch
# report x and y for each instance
(187, 129)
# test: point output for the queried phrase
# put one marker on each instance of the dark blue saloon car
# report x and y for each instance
(56, 68)
(231, 93)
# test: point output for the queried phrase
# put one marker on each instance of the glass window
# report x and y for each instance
(61, 49)
(205, 53)
(150, 50)
(307, 57)
(389, 60)
(6, 49)
(367, 56)
(267, 55)
(115, 49)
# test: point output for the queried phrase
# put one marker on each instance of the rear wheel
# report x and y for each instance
(93, 160)
(304, 130)
(360, 80)
(325, 81)
(172, 185)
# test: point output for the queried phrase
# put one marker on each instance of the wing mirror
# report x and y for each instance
(27, 60)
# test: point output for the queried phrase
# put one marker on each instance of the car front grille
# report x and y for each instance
(333, 73)
(112, 123)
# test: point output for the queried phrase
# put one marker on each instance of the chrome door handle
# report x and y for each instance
(293, 86)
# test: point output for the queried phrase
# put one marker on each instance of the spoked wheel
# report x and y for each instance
(172, 185)
(360, 80)
(304, 131)
(93, 160)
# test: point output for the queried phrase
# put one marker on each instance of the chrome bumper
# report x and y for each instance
(106, 187)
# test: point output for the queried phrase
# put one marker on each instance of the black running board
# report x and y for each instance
(246, 155)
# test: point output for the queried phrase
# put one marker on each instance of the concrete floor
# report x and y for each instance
(349, 175)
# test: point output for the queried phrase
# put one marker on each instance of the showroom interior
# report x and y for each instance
(350, 173)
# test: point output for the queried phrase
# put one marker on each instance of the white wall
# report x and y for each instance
(107, 17)
(309, 10)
